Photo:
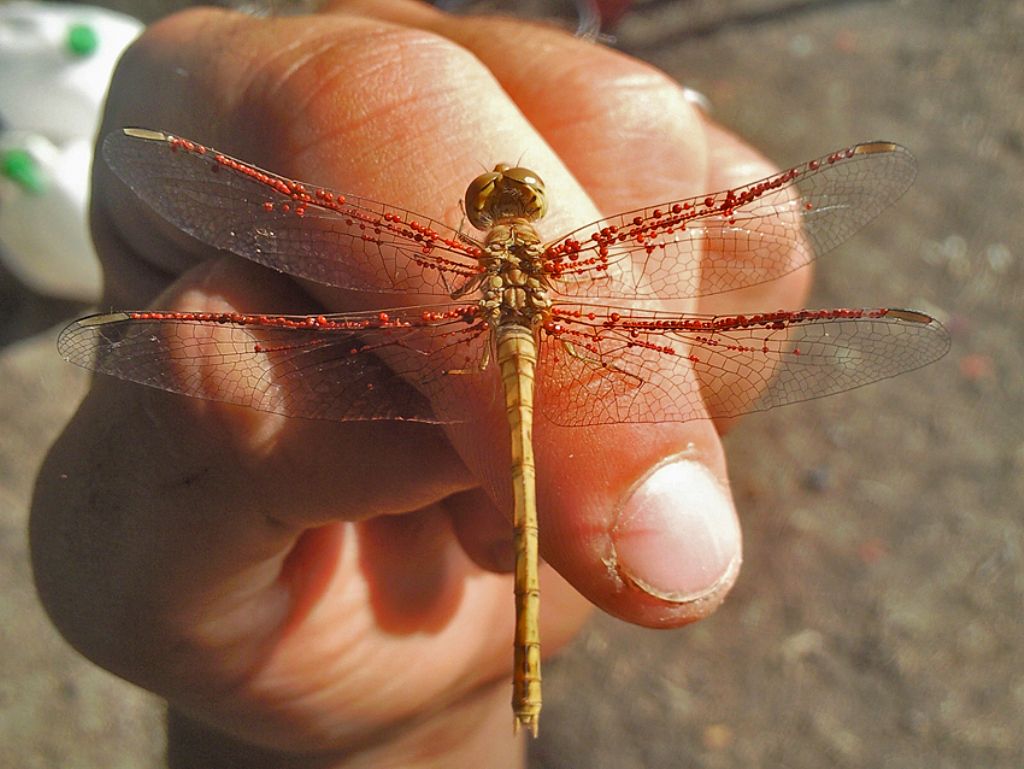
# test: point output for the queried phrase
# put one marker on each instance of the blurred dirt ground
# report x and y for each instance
(879, 618)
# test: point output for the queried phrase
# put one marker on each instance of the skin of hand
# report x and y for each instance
(337, 594)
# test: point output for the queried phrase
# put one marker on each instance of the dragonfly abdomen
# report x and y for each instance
(517, 361)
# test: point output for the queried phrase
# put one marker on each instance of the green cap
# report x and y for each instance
(82, 40)
(21, 168)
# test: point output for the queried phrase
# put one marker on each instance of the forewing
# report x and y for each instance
(752, 234)
(309, 232)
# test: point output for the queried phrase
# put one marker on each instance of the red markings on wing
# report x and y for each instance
(598, 364)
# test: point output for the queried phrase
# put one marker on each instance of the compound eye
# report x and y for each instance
(478, 196)
(534, 197)
(505, 194)
(525, 176)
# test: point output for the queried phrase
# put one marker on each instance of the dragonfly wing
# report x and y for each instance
(356, 366)
(600, 365)
(755, 233)
(308, 232)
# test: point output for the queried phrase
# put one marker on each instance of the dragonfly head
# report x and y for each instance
(505, 194)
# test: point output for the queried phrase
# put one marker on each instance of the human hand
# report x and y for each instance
(337, 589)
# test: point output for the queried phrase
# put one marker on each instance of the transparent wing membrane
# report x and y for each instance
(303, 230)
(598, 364)
(601, 367)
(719, 242)
(359, 366)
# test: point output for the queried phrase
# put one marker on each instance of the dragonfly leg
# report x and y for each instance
(599, 365)
(478, 368)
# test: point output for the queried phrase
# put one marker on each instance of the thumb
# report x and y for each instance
(639, 518)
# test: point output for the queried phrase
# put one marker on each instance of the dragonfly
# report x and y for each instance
(576, 329)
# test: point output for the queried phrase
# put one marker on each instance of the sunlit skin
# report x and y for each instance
(335, 588)
(600, 363)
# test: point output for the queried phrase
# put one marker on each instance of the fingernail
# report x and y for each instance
(676, 536)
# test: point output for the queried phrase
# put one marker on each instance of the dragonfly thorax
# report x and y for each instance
(513, 286)
(504, 195)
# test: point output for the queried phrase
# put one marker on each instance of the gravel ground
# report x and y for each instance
(879, 618)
